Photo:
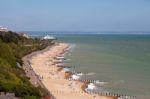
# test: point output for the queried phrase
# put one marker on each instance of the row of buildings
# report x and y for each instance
(4, 29)
(47, 37)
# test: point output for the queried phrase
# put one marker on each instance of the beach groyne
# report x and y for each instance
(43, 69)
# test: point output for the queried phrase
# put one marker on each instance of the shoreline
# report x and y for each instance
(50, 76)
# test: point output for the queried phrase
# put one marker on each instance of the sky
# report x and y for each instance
(75, 15)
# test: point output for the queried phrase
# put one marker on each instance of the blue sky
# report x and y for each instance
(75, 15)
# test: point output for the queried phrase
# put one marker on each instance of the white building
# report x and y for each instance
(47, 37)
(3, 29)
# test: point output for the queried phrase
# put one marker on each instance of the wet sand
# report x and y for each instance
(44, 67)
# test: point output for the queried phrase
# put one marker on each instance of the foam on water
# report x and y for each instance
(92, 73)
(100, 83)
(121, 60)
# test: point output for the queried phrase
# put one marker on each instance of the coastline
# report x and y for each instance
(31, 73)
(42, 64)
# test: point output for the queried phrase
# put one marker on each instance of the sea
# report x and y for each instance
(119, 63)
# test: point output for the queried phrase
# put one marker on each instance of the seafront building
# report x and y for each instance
(3, 29)
(47, 37)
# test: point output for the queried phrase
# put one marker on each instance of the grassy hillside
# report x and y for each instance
(12, 78)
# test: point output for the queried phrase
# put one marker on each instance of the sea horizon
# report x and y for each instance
(90, 32)
(119, 62)
(104, 45)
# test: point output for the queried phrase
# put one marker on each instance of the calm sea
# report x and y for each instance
(122, 61)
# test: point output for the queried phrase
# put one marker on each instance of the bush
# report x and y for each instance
(13, 79)
(7, 54)
(24, 90)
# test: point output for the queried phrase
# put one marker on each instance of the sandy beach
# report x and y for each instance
(43, 65)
